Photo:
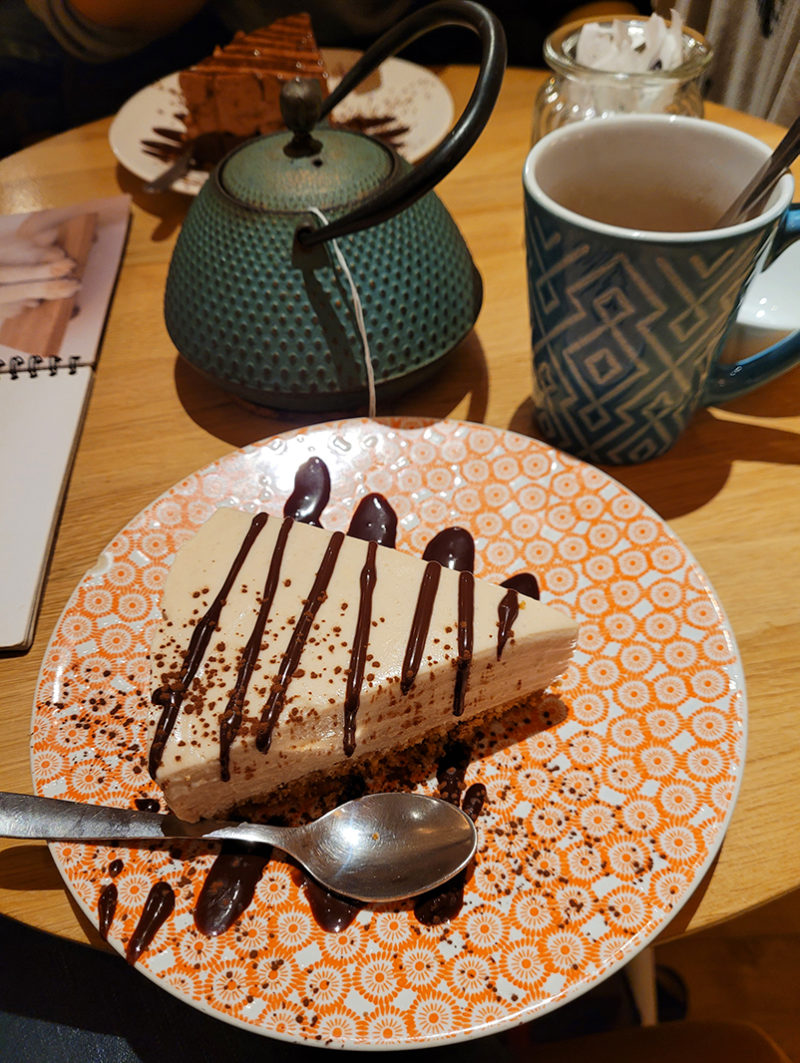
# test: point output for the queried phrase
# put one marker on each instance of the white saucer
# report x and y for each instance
(773, 299)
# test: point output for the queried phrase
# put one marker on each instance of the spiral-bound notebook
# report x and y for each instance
(57, 274)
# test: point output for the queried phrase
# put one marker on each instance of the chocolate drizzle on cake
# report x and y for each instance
(291, 659)
(375, 522)
(524, 583)
(508, 610)
(170, 697)
(452, 548)
(455, 548)
(466, 599)
(420, 625)
(358, 656)
(232, 717)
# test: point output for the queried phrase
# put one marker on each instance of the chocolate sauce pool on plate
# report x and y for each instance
(157, 909)
(374, 521)
(444, 903)
(106, 909)
(171, 142)
(228, 889)
(331, 912)
(312, 489)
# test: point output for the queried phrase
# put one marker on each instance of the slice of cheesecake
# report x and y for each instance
(237, 89)
(288, 651)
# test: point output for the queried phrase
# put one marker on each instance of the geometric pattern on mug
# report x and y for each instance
(547, 293)
(711, 281)
(635, 423)
(622, 341)
(548, 285)
(612, 307)
(603, 366)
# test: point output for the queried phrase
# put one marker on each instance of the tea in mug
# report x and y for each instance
(632, 207)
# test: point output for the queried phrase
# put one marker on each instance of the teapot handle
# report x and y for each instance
(422, 178)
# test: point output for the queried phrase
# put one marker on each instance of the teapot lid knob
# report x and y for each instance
(301, 104)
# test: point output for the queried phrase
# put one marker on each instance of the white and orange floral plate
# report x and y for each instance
(597, 827)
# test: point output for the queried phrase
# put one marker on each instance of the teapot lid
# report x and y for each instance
(313, 167)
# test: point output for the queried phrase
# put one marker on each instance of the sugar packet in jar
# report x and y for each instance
(623, 65)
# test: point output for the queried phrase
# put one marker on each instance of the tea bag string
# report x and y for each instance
(359, 313)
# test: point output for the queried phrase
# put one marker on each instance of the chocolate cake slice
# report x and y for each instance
(236, 90)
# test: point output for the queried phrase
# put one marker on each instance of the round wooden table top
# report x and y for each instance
(730, 488)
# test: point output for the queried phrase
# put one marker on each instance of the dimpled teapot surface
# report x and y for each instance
(257, 298)
(274, 322)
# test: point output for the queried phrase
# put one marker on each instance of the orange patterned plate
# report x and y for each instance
(597, 827)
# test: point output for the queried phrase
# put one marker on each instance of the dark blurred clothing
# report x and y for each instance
(45, 90)
(339, 24)
(47, 84)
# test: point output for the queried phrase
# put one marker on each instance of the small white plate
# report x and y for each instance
(771, 301)
(412, 95)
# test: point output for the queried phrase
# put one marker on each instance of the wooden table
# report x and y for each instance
(730, 488)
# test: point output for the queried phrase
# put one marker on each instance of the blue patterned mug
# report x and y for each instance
(632, 291)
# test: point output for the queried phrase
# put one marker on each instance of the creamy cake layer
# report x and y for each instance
(305, 710)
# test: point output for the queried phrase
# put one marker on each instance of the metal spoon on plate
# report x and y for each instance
(378, 848)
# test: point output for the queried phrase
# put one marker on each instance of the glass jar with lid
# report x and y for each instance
(575, 92)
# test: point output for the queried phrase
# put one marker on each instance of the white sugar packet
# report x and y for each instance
(610, 47)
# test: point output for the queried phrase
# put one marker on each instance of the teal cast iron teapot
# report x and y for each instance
(255, 298)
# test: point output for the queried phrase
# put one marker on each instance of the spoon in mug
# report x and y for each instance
(378, 848)
(751, 200)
